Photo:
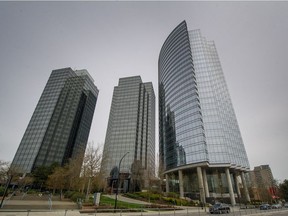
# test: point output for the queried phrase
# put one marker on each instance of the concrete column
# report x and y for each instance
(237, 185)
(206, 188)
(167, 183)
(232, 197)
(181, 188)
(245, 187)
(201, 186)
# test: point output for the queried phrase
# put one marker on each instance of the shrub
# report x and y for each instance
(69, 194)
(155, 196)
(132, 195)
(32, 191)
(74, 195)
(173, 194)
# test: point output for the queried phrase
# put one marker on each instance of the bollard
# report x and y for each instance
(174, 210)
(158, 211)
(65, 212)
(28, 211)
(187, 211)
(233, 210)
(50, 202)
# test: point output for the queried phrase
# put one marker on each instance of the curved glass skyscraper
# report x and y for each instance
(201, 149)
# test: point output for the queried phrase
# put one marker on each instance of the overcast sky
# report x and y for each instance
(119, 39)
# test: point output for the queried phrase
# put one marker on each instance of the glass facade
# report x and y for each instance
(60, 125)
(201, 151)
(197, 122)
(181, 128)
(223, 138)
(131, 127)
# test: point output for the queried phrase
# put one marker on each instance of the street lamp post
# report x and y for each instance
(115, 206)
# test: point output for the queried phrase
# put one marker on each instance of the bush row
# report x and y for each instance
(170, 198)
(74, 195)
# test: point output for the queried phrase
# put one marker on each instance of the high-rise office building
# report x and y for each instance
(201, 149)
(262, 182)
(263, 176)
(60, 125)
(131, 128)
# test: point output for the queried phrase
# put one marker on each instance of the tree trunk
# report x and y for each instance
(88, 189)
(61, 194)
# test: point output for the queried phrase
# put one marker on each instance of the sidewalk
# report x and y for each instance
(37, 205)
(126, 199)
(77, 213)
(68, 208)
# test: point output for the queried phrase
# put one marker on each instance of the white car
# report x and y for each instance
(276, 206)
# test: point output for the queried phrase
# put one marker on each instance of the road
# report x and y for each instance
(185, 212)
(238, 212)
(234, 212)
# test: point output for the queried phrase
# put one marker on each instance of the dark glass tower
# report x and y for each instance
(60, 125)
(131, 128)
(199, 137)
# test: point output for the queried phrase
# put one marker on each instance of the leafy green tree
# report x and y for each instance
(58, 179)
(41, 173)
(283, 189)
(78, 174)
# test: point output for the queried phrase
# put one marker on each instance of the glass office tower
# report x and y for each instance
(131, 128)
(201, 149)
(60, 125)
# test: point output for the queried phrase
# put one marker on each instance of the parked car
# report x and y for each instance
(219, 208)
(276, 206)
(286, 205)
(265, 207)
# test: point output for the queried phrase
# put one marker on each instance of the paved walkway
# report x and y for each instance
(37, 204)
(126, 199)
(41, 208)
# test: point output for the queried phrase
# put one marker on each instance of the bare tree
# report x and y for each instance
(79, 173)
(160, 172)
(91, 165)
(137, 177)
(4, 168)
(8, 171)
(73, 173)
